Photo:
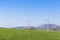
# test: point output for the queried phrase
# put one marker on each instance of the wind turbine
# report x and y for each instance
(29, 24)
(47, 26)
(47, 23)
(8, 25)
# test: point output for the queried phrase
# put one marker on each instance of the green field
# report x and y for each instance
(18, 34)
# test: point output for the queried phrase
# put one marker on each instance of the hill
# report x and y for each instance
(26, 27)
(17, 34)
(50, 26)
(21, 27)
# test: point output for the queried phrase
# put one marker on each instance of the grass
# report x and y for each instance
(17, 34)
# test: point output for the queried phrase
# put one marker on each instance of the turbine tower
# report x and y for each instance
(29, 22)
(47, 24)
(8, 25)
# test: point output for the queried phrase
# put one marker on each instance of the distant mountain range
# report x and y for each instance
(19, 27)
(29, 27)
(41, 27)
(25, 27)
(49, 26)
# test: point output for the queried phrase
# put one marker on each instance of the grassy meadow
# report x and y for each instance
(19, 34)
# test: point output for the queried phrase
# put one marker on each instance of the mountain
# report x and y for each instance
(49, 26)
(19, 27)
(26, 27)
(30, 27)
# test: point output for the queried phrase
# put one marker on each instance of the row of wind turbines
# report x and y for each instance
(29, 23)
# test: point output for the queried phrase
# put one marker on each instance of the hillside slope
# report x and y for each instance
(17, 34)
(50, 26)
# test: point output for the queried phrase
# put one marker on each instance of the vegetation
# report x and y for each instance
(17, 34)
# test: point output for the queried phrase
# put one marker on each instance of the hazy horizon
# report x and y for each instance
(19, 12)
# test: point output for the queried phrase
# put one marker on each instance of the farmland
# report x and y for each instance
(19, 34)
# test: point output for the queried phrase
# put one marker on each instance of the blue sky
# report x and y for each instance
(19, 12)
